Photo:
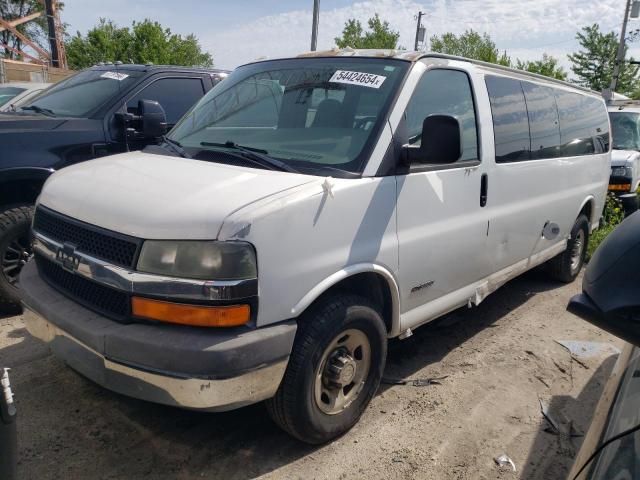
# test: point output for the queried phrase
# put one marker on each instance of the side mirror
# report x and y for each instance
(153, 121)
(440, 141)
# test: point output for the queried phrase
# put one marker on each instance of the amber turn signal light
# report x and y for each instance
(624, 187)
(195, 315)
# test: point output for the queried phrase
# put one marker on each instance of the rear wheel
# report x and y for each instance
(15, 251)
(334, 369)
(566, 266)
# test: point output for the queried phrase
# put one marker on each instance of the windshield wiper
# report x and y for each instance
(176, 147)
(37, 109)
(256, 155)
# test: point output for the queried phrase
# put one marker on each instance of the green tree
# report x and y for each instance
(547, 66)
(144, 42)
(593, 64)
(35, 30)
(379, 35)
(470, 44)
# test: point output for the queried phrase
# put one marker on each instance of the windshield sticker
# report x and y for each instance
(358, 78)
(114, 76)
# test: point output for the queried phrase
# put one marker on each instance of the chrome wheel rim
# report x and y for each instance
(15, 256)
(576, 250)
(342, 371)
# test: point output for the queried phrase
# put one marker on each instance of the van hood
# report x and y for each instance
(623, 158)
(160, 197)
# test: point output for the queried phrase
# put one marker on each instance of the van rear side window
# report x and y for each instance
(510, 124)
(533, 122)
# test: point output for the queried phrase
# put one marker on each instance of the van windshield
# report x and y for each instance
(79, 95)
(626, 134)
(314, 115)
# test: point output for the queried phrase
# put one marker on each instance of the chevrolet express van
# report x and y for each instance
(304, 212)
(625, 156)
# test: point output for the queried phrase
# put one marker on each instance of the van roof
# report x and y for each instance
(414, 56)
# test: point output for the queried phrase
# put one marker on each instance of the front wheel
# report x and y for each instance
(566, 266)
(15, 251)
(334, 369)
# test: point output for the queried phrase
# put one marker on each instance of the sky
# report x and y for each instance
(237, 32)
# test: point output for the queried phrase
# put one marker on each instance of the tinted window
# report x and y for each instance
(176, 95)
(510, 122)
(543, 120)
(584, 126)
(446, 92)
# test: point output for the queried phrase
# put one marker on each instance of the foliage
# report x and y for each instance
(548, 66)
(612, 216)
(36, 30)
(593, 65)
(379, 35)
(470, 44)
(145, 42)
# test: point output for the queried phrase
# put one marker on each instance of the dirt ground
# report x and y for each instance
(499, 359)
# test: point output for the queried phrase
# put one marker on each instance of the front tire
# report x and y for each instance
(15, 251)
(566, 266)
(334, 369)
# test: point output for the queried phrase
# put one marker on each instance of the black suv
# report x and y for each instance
(100, 111)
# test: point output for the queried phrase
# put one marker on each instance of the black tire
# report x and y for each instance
(566, 266)
(15, 245)
(294, 407)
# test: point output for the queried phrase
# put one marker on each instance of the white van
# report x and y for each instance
(625, 157)
(305, 211)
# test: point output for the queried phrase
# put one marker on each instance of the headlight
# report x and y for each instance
(206, 260)
(621, 171)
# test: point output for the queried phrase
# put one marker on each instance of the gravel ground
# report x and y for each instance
(499, 359)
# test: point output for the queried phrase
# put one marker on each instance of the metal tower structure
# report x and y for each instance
(57, 57)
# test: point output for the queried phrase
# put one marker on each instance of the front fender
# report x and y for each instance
(350, 271)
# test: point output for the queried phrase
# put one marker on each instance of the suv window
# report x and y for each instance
(445, 92)
(176, 95)
(543, 120)
(510, 122)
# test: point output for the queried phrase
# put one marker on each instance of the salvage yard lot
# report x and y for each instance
(499, 359)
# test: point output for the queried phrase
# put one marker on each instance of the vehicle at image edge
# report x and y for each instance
(94, 113)
(305, 211)
(14, 94)
(625, 157)
(610, 299)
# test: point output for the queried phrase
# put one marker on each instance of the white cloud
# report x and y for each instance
(524, 28)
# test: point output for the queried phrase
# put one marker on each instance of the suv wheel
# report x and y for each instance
(334, 369)
(15, 251)
(566, 266)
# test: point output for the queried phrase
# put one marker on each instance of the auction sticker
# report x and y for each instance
(114, 76)
(358, 78)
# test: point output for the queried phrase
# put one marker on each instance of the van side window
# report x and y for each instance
(446, 92)
(543, 120)
(584, 128)
(510, 121)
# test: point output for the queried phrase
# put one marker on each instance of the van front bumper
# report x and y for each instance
(188, 367)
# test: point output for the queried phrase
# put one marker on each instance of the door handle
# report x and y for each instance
(484, 187)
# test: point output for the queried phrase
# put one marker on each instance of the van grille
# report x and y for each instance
(95, 241)
(105, 300)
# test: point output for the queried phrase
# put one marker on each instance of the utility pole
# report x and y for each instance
(621, 49)
(420, 31)
(314, 27)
